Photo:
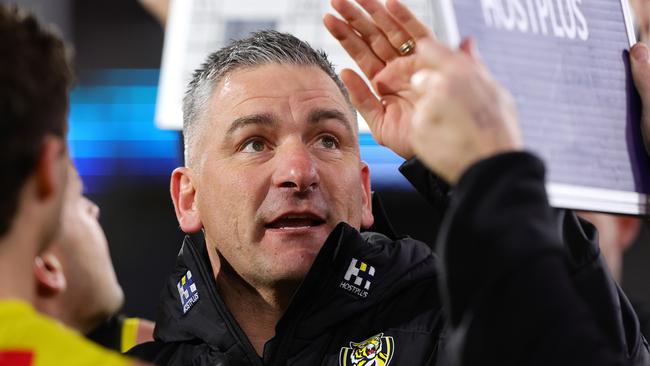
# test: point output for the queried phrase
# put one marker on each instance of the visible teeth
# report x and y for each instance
(294, 222)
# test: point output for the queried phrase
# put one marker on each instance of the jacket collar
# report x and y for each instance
(206, 317)
(370, 258)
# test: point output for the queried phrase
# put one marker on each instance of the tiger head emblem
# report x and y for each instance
(374, 351)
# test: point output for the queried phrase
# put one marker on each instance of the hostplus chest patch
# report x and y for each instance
(187, 292)
(358, 278)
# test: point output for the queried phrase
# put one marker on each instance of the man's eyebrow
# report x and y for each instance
(263, 119)
(318, 115)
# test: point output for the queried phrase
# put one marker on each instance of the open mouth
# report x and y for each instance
(294, 222)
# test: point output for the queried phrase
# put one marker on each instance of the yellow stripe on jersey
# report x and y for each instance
(129, 334)
(23, 329)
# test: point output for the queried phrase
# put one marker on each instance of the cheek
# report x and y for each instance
(344, 191)
(230, 197)
(95, 243)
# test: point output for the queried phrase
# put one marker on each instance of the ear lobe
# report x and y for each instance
(50, 279)
(184, 197)
(367, 219)
(51, 171)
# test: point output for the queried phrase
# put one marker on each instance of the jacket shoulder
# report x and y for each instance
(154, 351)
(179, 354)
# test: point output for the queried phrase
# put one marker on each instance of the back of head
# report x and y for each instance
(35, 78)
(260, 48)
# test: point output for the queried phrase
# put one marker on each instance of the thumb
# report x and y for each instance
(640, 57)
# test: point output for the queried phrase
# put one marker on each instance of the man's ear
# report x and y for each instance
(50, 279)
(51, 170)
(367, 219)
(183, 194)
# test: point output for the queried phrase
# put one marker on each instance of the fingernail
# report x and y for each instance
(418, 79)
(640, 53)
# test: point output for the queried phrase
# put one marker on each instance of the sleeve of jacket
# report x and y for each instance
(179, 354)
(506, 285)
(598, 288)
(433, 188)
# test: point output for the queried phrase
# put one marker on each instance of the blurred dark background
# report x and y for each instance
(126, 162)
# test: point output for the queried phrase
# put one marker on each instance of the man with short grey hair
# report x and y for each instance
(276, 269)
(274, 189)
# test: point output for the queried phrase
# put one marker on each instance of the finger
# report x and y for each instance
(394, 32)
(641, 69)
(363, 99)
(361, 23)
(359, 50)
(640, 60)
(407, 20)
(468, 46)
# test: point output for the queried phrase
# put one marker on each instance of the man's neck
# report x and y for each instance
(257, 310)
(17, 266)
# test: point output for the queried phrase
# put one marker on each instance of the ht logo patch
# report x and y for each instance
(374, 351)
(357, 279)
(187, 292)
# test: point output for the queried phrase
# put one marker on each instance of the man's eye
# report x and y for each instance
(329, 142)
(253, 146)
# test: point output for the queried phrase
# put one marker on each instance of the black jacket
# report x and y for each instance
(511, 291)
(524, 284)
(326, 314)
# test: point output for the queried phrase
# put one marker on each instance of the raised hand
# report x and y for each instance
(383, 40)
(462, 115)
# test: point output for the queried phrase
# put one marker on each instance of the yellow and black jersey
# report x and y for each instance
(28, 338)
(121, 333)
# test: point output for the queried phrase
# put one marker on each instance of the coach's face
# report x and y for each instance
(276, 168)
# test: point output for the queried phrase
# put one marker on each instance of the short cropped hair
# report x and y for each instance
(260, 48)
(35, 79)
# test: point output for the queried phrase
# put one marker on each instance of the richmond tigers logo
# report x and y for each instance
(374, 351)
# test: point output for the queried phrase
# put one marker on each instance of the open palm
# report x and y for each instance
(373, 38)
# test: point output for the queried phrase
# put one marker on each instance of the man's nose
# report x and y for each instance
(295, 168)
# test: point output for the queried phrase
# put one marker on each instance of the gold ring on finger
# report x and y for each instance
(407, 47)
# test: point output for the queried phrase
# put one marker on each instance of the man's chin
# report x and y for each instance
(292, 252)
(294, 265)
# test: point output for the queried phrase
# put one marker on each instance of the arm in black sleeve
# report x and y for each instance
(433, 188)
(597, 288)
(506, 285)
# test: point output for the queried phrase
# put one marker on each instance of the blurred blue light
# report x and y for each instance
(118, 131)
(114, 112)
(111, 94)
(125, 149)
